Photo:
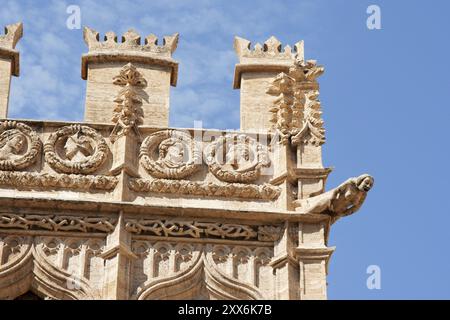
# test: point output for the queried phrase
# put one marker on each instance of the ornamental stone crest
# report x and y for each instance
(20, 146)
(76, 149)
(236, 158)
(296, 110)
(170, 154)
(128, 112)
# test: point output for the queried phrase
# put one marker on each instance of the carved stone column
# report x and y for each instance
(313, 255)
(286, 268)
(284, 162)
(9, 63)
(118, 256)
(105, 60)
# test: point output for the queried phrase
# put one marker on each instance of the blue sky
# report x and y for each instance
(385, 96)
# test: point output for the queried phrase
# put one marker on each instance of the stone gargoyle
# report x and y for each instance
(342, 201)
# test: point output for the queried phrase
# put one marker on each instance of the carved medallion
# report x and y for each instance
(236, 158)
(76, 149)
(170, 154)
(20, 146)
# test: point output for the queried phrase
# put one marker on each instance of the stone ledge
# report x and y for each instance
(257, 67)
(13, 55)
(31, 180)
(126, 57)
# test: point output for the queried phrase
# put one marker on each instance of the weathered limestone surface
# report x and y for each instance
(104, 62)
(257, 67)
(9, 63)
(123, 207)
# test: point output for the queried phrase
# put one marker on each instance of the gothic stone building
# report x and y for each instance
(121, 206)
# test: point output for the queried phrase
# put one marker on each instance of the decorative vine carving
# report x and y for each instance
(15, 138)
(233, 190)
(84, 150)
(128, 112)
(65, 181)
(179, 156)
(236, 158)
(56, 223)
(193, 229)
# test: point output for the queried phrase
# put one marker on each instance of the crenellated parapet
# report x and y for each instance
(129, 48)
(257, 68)
(270, 54)
(104, 62)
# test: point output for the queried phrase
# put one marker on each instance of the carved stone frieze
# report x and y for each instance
(27, 180)
(170, 154)
(236, 158)
(20, 146)
(76, 149)
(232, 190)
(195, 229)
(56, 223)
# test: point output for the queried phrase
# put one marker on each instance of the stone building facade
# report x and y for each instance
(121, 206)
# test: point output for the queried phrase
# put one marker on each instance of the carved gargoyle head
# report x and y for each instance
(365, 182)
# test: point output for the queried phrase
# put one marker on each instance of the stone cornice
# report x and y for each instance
(126, 57)
(14, 56)
(267, 216)
(269, 66)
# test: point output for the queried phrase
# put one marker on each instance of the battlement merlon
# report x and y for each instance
(257, 67)
(104, 61)
(9, 63)
(130, 50)
(270, 56)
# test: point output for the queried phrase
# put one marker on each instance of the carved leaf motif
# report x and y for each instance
(28, 180)
(296, 109)
(128, 113)
(186, 187)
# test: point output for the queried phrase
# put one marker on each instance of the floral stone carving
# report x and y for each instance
(20, 146)
(170, 154)
(236, 158)
(128, 112)
(28, 180)
(296, 111)
(210, 189)
(76, 149)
